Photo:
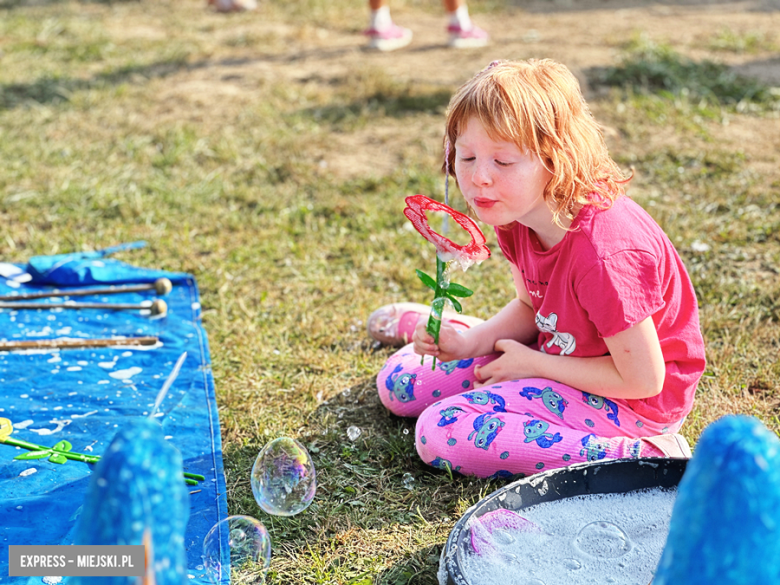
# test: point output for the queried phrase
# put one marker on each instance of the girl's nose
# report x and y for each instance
(481, 175)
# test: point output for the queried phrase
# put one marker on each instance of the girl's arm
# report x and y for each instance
(634, 369)
(516, 321)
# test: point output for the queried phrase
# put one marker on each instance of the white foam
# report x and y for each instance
(61, 424)
(125, 374)
(90, 413)
(612, 539)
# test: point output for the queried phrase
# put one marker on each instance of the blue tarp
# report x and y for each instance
(85, 395)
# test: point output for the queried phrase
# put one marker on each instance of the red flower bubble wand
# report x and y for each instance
(447, 252)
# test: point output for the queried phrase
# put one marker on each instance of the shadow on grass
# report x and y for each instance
(393, 103)
(351, 473)
(549, 6)
(10, 4)
(421, 568)
(380, 94)
(48, 90)
(370, 480)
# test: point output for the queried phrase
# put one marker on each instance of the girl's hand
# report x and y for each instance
(515, 362)
(452, 344)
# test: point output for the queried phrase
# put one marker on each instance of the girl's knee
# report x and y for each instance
(397, 385)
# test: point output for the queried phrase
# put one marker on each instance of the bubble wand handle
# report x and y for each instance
(446, 250)
(433, 326)
(61, 451)
(48, 451)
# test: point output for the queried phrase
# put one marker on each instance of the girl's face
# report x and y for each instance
(501, 183)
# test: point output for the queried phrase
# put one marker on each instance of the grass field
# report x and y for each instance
(266, 154)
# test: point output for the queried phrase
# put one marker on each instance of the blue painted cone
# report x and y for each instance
(725, 525)
(137, 496)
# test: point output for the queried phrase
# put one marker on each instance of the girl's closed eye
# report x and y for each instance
(502, 163)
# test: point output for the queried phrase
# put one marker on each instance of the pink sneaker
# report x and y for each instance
(388, 39)
(394, 324)
(233, 5)
(467, 38)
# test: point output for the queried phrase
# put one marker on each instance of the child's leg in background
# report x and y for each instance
(406, 388)
(525, 426)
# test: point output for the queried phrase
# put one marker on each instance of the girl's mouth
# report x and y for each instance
(484, 203)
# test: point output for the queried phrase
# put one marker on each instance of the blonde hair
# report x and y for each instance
(538, 106)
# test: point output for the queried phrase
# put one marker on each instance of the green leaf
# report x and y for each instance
(455, 304)
(57, 458)
(459, 290)
(34, 455)
(63, 446)
(426, 280)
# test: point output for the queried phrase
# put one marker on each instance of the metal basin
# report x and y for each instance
(604, 477)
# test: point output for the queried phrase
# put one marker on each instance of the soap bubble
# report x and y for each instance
(602, 540)
(283, 478)
(249, 547)
(571, 564)
(353, 433)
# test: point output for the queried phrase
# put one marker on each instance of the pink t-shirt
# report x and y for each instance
(614, 270)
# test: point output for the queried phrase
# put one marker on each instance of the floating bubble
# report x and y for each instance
(249, 547)
(408, 481)
(283, 478)
(602, 540)
(353, 433)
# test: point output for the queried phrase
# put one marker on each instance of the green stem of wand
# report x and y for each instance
(437, 307)
(67, 454)
(189, 478)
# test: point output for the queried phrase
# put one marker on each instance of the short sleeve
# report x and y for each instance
(506, 241)
(621, 291)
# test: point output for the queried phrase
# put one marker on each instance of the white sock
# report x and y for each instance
(380, 19)
(461, 18)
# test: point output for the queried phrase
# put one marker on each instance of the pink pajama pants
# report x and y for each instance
(517, 427)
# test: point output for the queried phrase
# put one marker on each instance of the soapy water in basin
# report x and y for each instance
(609, 539)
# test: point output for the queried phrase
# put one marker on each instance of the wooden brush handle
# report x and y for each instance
(75, 343)
(162, 286)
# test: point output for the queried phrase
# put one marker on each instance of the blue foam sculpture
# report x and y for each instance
(725, 525)
(137, 495)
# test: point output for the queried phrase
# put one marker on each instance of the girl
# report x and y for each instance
(600, 353)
